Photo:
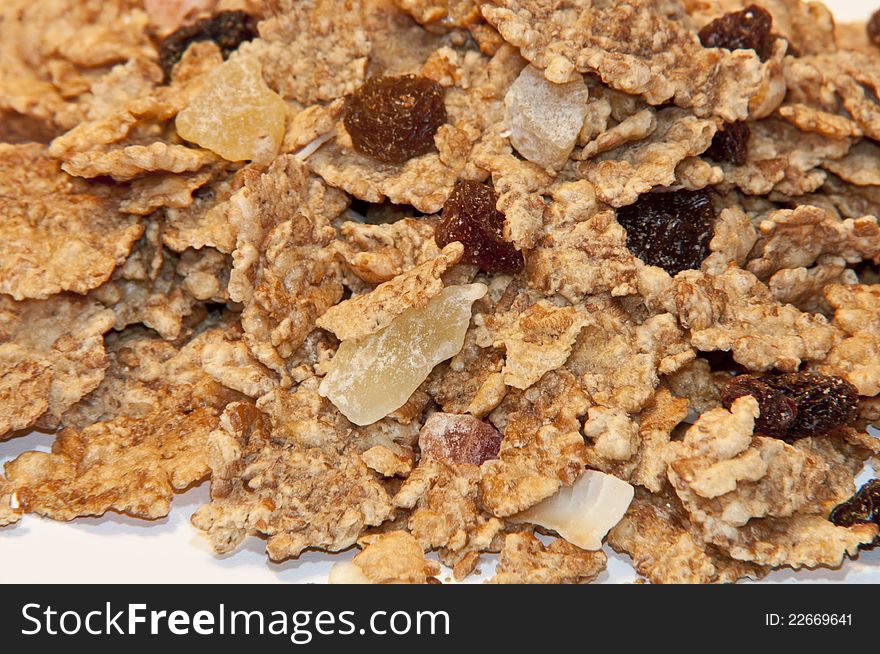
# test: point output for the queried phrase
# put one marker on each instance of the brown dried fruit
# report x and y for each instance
(470, 217)
(778, 411)
(459, 439)
(861, 508)
(823, 402)
(394, 119)
(873, 28)
(228, 29)
(730, 144)
(748, 29)
(669, 230)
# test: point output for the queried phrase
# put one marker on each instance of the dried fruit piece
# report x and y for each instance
(731, 144)
(824, 402)
(470, 217)
(873, 28)
(346, 572)
(228, 29)
(235, 115)
(543, 118)
(861, 508)
(748, 29)
(669, 230)
(394, 119)
(459, 439)
(778, 411)
(584, 512)
(372, 376)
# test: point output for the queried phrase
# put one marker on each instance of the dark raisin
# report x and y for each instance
(823, 402)
(470, 217)
(731, 144)
(670, 230)
(228, 29)
(778, 412)
(873, 28)
(861, 508)
(749, 29)
(394, 119)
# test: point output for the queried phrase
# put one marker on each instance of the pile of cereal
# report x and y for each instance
(441, 275)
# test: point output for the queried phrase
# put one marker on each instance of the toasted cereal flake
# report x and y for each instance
(367, 314)
(794, 238)
(206, 220)
(545, 118)
(634, 47)
(622, 174)
(235, 115)
(387, 462)
(803, 287)
(446, 513)
(542, 449)
(313, 50)
(298, 496)
(124, 164)
(857, 314)
(228, 360)
(373, 375)
(860, 166)
(57, 233)
(733, 238)
(169, 190)
(310, 126)
(655, 532)
(378, 253)
(395, 557)
(735, 312)
(810, 119)
(53, 355)
(9, 508)
(537, 337)
(526, 560)
(695, 382)
(283, 272)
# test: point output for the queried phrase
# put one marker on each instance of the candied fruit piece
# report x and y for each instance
(394, 119)
(459, 439)
(731, 144)
(669, 230)
(824, 402)
(861, 508)
(235, 114)
(778, 412)
(372, 376)
(543, 118)
(585, 511)
(873, 28)
(749, 29)
(471, 218)
(228, 29)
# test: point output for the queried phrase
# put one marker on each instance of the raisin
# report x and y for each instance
(749, 29)
(873, 28)
(394, 119)
(459, 439)
(228, 29)
(470, 217)
(731, 144)
(861, 508)
(778, 412)
(670, 230)
(824, 402)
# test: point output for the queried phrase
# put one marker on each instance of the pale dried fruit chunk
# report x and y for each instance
(346, 572)
(583, 512)
(235, 114)
(367, 314)
(543, 118)
(395, 557)
(57, 233)
(459, 439)
(372, 376)
(526, 560)
(51, 355)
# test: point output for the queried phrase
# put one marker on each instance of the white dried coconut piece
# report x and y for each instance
(346, 572)
(585, 511)
(543, 118)
(374, 375)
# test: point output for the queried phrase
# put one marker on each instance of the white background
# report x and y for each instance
(116, 549)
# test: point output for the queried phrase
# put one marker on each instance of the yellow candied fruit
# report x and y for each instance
(374, 375)
(235, 115)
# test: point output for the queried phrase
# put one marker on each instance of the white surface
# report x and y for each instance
(116, 549)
